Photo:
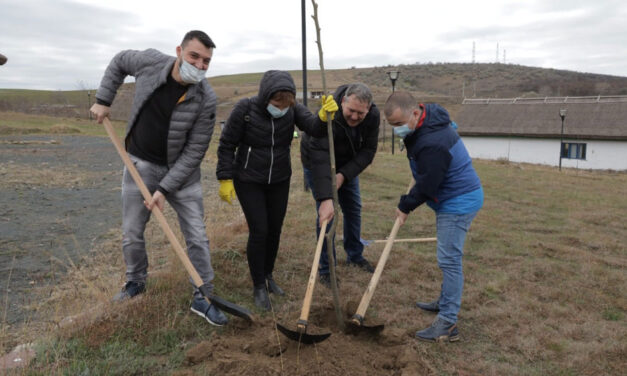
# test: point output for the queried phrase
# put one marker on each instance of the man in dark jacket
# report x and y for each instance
(355, 139)
(447, 182)
(167, 135)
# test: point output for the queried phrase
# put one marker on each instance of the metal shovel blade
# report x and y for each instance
(356, 325)
(305, 338)
(231, 308)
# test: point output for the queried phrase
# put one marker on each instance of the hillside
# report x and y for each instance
(446, 83)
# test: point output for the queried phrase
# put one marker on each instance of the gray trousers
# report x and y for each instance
(188, 205)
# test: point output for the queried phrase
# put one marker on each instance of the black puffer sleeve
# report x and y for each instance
(230, 139)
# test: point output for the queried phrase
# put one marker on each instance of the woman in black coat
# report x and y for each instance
(254, 162)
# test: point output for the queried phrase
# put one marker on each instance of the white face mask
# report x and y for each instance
(189, 73)
(275, 111)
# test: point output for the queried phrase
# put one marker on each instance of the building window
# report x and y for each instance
(573, 150)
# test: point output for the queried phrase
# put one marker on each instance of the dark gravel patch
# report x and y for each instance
(42, 221)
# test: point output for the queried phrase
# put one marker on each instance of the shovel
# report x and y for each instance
(356, 323)
(224, 305)
(300, 334)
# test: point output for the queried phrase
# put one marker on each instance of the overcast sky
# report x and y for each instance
(67, 44)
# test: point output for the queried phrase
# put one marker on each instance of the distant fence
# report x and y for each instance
(545, 100)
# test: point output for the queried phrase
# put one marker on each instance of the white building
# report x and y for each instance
(530, 129)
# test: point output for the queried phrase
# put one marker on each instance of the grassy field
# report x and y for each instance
(14, 123)
(544, 267)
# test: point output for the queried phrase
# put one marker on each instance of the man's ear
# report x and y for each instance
(178, 51)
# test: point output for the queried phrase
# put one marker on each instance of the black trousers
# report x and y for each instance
(264, 206)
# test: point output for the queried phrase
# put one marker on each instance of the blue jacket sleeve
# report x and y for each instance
(431, 165)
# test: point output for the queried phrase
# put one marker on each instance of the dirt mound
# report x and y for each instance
(262, 350)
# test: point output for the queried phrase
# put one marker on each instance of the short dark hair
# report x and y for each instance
(400, 99)
(201, 36)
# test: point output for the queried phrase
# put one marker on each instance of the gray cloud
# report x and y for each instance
(57, 44)
(54, 45)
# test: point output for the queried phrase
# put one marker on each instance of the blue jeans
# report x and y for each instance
(451, 233)
(350, 202)
(187, 202)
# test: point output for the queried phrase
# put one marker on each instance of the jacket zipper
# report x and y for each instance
(350, 139)
(271, 153)
(247, 156)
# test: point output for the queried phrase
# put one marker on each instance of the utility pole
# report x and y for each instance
(304, 43)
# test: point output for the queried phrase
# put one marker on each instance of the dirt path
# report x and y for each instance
(58, 194)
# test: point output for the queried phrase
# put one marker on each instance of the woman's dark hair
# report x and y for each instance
(285, 97)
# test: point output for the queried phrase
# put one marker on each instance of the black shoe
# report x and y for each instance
(325, 280)
(262, 300)
(273, 287)
(130, 290)
(209, 312)
(431, 307)
(363, 264)
(440, 331)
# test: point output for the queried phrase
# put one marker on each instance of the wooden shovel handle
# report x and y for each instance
(304, 314)
(180, 252)
(365, 300)
(412, 240)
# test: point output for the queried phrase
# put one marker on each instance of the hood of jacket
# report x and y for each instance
(273, 81)
(436, 116)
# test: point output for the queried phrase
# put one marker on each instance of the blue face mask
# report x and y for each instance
(403, 131)
(276, 112)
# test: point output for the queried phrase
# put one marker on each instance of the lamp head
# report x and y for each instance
(393, 75)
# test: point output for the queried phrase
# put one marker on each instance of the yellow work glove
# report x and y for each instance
(227, 190)
(328, 105)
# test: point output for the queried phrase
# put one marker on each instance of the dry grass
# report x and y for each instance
(18, 123)
(20, 174)
(544, 294)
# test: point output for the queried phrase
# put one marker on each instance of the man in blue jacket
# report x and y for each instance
(447, 182)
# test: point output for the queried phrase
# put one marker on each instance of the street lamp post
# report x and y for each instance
(89, 103)
(393, 77)
(563, 116)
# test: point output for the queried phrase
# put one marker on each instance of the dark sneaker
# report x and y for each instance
(130, 290)
(431, 307)
(262, 300)
(209, 312)
(273, 287)
(325, 280)
(440, 331)
(363, 264)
